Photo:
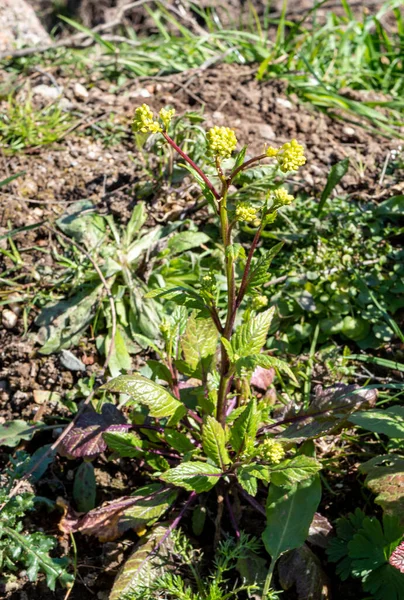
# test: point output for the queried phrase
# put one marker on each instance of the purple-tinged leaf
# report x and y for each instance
(86, 437)
(301, 569)
(262, 378)
(329, 411)
(397, 558)
(112, 519)
(320, 530)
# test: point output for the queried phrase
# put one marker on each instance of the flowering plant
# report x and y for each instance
(197, 423)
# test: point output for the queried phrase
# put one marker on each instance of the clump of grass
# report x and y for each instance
(24, 126)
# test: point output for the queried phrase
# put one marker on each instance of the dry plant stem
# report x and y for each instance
(87, 401)
(192, 164)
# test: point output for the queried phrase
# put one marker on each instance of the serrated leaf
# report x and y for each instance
(108, 522)
(265, 361)
(179, 441)
(199, 340)
(389, 422)
(385, 583)
(245, 427)
(12, 432)
(385, 478)
(193, 476)
(250, 337)
(144, 391)
(247, 476)
(329, 410)
(144, 565)
(292, 470)
(123, 443)
(84, 487)
(259, 271)
(289, 515)
(214, 442)
(85, 439)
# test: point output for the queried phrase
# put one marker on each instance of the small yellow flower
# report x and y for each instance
(272, 451)
(290, 156)
(166, 114)
(246, 212)
(221, 141)
(259, 302)
(271, 152)
(281, 197)
(144, 122)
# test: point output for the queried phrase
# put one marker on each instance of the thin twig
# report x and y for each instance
(89, 398)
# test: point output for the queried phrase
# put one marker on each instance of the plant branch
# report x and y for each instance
(244, 281)
(244, 166)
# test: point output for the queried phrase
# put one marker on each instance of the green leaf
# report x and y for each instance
(389, 422)
(244, 429)
(83, 224)
(34, 550)
(239, 159)
(265, 361)
(193, 476)
(137, 220)
(289, 515)
(259, 271)
(180, 295)
(144, 391)
(199, 340)
(144, 565)
(385, 583)
(385, 478)
(185, 240)
(178, 441)
(214, 442)
(12, 432)
(335, 175)
(292, 470)
(120, 359)
(126, 444)
(84, 487)
(247, 476)
(250, 337)
(204, 188)
(392, 207)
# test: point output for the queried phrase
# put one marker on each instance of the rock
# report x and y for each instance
(47, 92)
(267, 132)
(19, 26)
(285, 103)
(350, 131)
(71, 362)
(140, 93)
(80, 91)
(9, 318)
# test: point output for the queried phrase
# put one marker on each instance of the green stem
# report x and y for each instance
(268, 579)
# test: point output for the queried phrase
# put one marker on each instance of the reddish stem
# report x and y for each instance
(192, 164)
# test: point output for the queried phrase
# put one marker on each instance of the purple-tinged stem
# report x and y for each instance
(252, 501)
(232, 517)
(192, 164)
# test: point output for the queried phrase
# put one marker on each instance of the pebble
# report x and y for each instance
(267, 132)
(285, 103)
(348, 130)
(140, 93)
(9, 318)
(218, 116)
(48, 92)
(80, 91)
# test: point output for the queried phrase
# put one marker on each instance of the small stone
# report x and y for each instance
(140, 93)
(66, 104)
(218, 116)
(267, 132)
(92, 155)
(285, 103)
(47, 92)
(80, 91)
(71, 362)
(9, 318)
(350, 131)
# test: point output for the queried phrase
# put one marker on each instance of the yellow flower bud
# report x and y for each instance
(144, 122)
(272, 451)
(166, 114)
(246, 212)
(291, 156)
(271, 152)
(221, 141)
(281, 197)
(259, 302)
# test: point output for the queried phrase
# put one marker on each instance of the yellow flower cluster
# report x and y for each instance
(258, 302)
(246, 212)
(144, 119)
(281, 197)
(272, 451)
(290, 156)
(221, 141)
